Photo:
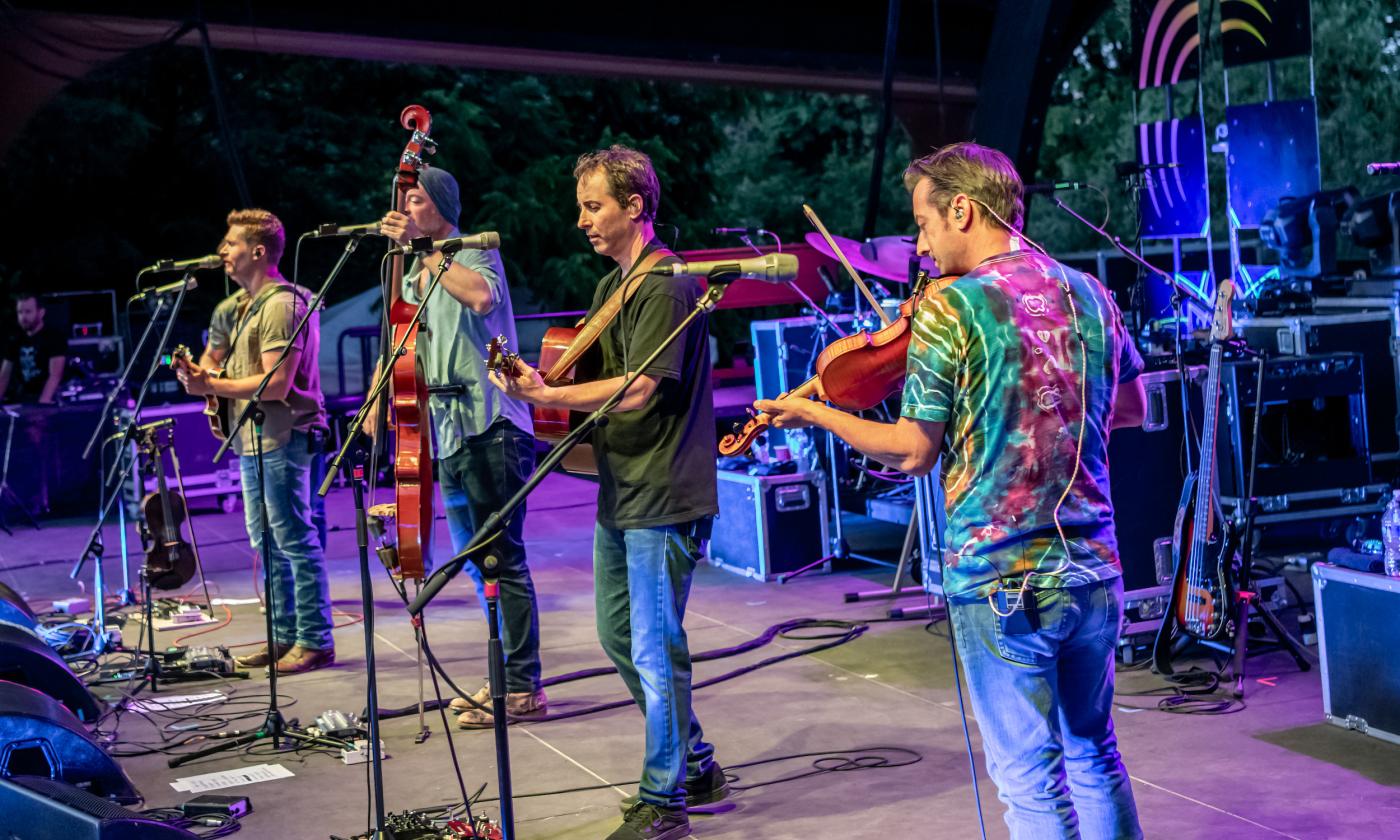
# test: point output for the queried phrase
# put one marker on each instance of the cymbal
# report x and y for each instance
(886, 257)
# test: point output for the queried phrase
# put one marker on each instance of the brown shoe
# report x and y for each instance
(482, 697)
(261, 658)
(520, 705)
(300, 659)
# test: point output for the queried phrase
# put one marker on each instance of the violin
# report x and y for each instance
(413, 464)
(170, 561)
(860, 371)
(855, 373)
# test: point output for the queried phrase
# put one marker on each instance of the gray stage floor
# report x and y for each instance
(1272, 770)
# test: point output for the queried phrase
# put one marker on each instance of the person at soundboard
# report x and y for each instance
(483, 439)
(1016, 374)
(657, 491)
(35, 356)
(265, 311)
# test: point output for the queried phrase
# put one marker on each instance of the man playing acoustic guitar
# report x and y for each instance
(656, 474)
(248, 332)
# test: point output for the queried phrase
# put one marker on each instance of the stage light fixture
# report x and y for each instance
(1374, 224)
(1299, 221)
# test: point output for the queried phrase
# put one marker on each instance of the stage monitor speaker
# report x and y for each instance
(13, 610)
(39, 737)
(35, 808)
(26, 660)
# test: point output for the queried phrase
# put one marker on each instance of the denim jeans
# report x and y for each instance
(641, 580)
(1042, 702)
(476, 481)
(317, 441)
(300, 599)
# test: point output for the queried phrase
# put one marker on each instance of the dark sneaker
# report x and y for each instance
(645, 821)
(710, 787)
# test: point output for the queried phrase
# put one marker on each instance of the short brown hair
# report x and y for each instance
(980, 172)
(629, 172)
(261, 228)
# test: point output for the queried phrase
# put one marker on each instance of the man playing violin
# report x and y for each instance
(1016, 374)
(657, 491)
(483, 444)
(248, 332)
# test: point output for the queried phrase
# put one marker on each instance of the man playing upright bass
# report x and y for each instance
(482, 442)
(657, 490)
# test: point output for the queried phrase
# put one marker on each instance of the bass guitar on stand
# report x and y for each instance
(1204, 542)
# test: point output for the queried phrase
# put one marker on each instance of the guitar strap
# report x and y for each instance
(589, 332)
(257, 304)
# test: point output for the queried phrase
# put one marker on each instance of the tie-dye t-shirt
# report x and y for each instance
(996, 358)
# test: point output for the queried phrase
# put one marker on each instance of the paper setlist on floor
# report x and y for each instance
(231, 778)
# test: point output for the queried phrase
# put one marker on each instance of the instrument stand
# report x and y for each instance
(475, 551)
(376, 758)
(6, 492)
(1248, 602)
(123, 438)
(274, 725)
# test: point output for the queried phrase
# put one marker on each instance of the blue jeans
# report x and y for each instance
(1042, 702)
(300, 599)
(317, 442)
(476, 482)
(641, 580)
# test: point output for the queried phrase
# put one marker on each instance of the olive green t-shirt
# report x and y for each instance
(265, 325)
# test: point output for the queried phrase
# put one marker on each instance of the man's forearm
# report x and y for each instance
(50, 388)
(468, 286)
(590, 396)
(902, 444)
(244, 387)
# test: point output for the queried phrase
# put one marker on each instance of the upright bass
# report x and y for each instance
(413, 463)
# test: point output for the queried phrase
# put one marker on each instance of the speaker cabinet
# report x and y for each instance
(40, 737)
(35, 808)
(13, 610)
(26, 660)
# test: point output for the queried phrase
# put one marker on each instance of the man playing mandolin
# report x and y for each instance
(483, 446)
(247, 334)
(656, 476)
(1016, 374)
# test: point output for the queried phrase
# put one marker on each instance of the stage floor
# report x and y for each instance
(1272, 770)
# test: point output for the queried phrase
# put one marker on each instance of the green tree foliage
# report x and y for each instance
(1356, 46)
(132, 160)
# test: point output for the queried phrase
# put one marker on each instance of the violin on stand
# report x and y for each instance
(170, 559)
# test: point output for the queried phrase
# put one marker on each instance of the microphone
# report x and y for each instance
(1382, 168)
(1052, 186)
(189, 284)
(488, 241)
(162, 266)
(770, 268)
(333, 229)
(739, 231)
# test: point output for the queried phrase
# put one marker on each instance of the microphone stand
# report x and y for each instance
(110, 492)
(126, 372)
(351, 449)
(274, 725)
(476, 550)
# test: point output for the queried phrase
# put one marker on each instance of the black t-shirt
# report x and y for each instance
(29, 355)
(656, 464)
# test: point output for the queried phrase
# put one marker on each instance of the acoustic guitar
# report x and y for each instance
(217, 409)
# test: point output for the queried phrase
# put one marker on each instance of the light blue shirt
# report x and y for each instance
(452, 352)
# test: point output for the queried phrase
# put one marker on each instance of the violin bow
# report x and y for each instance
(836, 249)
